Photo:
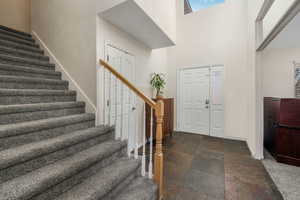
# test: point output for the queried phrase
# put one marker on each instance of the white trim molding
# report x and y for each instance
(81, 95)
(283, 22)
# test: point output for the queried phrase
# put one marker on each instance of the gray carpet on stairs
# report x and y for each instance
(49, 147)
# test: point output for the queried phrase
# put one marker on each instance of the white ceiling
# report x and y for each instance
(289, 37)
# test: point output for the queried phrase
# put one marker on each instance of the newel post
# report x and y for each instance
(158, 158)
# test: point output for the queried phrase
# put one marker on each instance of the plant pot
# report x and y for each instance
(159, 97)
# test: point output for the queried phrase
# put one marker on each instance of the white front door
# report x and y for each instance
(120, 101)
(194, 100)
(217, 101)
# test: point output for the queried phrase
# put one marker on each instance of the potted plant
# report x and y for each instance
(158, 82)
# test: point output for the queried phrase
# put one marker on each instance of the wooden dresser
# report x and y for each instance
(168, 123)
(282, 129)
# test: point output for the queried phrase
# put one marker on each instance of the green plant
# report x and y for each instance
(158, 82)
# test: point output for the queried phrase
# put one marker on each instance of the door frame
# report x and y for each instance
(178, 103)
(100, 83)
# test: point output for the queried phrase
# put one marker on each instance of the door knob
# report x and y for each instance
(133, 108)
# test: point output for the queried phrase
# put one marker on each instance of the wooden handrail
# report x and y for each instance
(159, 113)
(130, 85)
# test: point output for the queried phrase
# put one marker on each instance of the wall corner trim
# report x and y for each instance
(255, 155)
(81, 95)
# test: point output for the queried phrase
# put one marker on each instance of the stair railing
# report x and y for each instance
(158, 108)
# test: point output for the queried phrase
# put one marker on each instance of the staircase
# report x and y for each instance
(49, 147)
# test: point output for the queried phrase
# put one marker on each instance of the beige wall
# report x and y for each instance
(68, 28)
(147, 61)
(278, 72)
(217, 35)
(163, 13)
(15, 14)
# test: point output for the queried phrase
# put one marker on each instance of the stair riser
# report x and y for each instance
(29, 74)
(30, 116)
(4, 32)
(26, 64)
(10, 142)
(20, 85)
(19, 53)
(21, 169)
(11, 100)
(17, 40)
(119, 188)
(67, 184)
(20, 47)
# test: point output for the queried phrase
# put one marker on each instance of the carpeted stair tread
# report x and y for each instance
(7, 109)
(13, 156)
(37, 125)
(26, 62)
(28, 92)
(49, 147)
(15, 31)
(10, 114)
(31, 184)
(139, 189)
(97, 186)
(20, 46)
(30, 79)
(24, 37)
(22, 53)
(10, 82)
(28, 71)
(28, 96)
(17, 40)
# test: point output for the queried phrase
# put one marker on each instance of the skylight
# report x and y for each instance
(195, 5)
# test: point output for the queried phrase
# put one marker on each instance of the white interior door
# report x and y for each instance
(194, 100)
(217, 101)
(120, 101)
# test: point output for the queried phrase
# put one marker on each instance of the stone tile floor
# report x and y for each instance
(286, 177)
(204, 168)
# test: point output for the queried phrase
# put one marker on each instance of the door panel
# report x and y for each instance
(129, 102)
(194, 93)
(120, 100)
(217, 101)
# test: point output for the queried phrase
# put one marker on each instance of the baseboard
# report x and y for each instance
(224, 137)
(81, 95)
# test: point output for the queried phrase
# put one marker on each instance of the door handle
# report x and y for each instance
(207, 101)
(133, 108)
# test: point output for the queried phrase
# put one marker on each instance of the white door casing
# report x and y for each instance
(120, 101)
(217, 101)
(194, 96)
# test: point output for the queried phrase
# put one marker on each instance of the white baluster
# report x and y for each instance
(122, 111)
(116, 108)
(110, 98)
(144, 143)
(151, 145)
(104, 96)
(129, 139)
(136, 149)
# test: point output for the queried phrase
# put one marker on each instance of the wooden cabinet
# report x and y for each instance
(168, 123)
(282, 129)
